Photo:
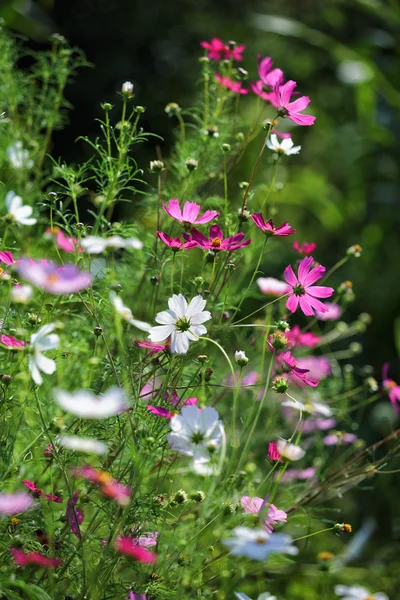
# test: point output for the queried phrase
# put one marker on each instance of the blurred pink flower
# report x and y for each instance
(154, 347)
(175, 243)
(127, 546)
(14, 503)
(270, 229)
(256, 505)
(48, 276)
(318, 424)
(160, 411)
(74, 515)
(391, 388)
(7, 258)
(33, 558)
(302, 474)
(318, 367)
(189, 214)
(287, 361)
(11, 342)
(289, 109)
(298, 338)
(146, 539)
(133, 596)
(303, 290)
(331, 313)
(337, 437)
(39, 492)
(107, 484)
(229, 84)
(218, 50)
(272, 286)
(216, 241)
(305, 248)
(66, 243)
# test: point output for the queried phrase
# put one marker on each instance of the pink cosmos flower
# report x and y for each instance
(218, 50)
(303, 290)
(133, 596)
(391, 388)
(318, 367)
(11, 342)
(189, 214)
(48, 276)
(272, 286)
(154, 347)
(38, 492)
(309, 339)
(287, 360)
(247, 380)
(273, 452)
(269, 79)
(318, 424)
(175, 243)
(332, 312)
(74, 515)
(34, 558)
(216, 241)
(107, 484)
(146, 539)
(270, 229)
(128, 546)
(305, 248)
(160, 411)
(7, 258)
(256, 505)
(12, 504)
(66, 243)
(229, 84)
(292, 110)
(301, 474)
(336, 437)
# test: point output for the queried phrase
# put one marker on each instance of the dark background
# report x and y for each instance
(344, 186)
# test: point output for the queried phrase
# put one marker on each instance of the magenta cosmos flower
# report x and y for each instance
(292, 110)
(11, 341)
(289, 363)
(269, 79)
(7, 258)
(391, 388)
(107, 484)
(303, 290)
(74, 515)
(34, 558)
(218, 50)
(38, 492)
(229, 84)
(129, 547)
(216, 240)
(273, 452)
(175, 243)
(48, 276)
(189, 214)
(305, 248)
(269, 228)
(298, 338)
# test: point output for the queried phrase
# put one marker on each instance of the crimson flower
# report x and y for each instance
(129, 547)
(33, 558)
(292, 110)
(189, 214)
(303, 290)
(305, 247)
(216, 240)
(233, 86)
(38, 492)
(270, 229)
(273, 452)
(175, 243)
(218, 50)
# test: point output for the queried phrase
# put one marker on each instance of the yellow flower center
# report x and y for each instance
(216, 243)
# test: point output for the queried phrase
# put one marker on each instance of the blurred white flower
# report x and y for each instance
(312, 406)
(95, 245)
(272, 286)
(18, 157)
(20, 213)
(21, 294)
(88, 445)
(182, 322)
(42, 341)
(196, 432)
(356, 592)
(353, 72)
(284, 147)
(83, 403)
(258, 544)
(263, 596)
(126, 313)
(289, 451)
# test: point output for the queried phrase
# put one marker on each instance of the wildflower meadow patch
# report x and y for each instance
(176, 420)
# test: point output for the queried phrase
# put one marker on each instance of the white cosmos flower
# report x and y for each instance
(126, 313)
(20, 213)
(312, 406)
(263, 596)
(182, 322)
(18, 157)
(21, 294)
(290, 451)
(41, 341)
(258, 544)
(284, 147)
(95, 245)
(88, 445)
(83, 403)
(196, 432)
(356, 592)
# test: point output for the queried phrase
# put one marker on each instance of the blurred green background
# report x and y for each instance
(342, 189)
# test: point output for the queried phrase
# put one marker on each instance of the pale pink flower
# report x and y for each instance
(68, 244)
(303, 290)
(34, 558)
(273, 515)
(318, 367)
(153, 347)
(128, 546)
(160, 411)
(332, 312)
(14, 503)
(272, 286)
(270, 229)
(189, 214)
(301, 474)
(338, 438)
(134, 596)
(289, 109)
(318, 424)
(48, 276)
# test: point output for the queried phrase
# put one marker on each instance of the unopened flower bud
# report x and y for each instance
(208, 373)
(231, 266)
(140, 110)
(57, 424)
(355, 348)
(280, 385)
(204, 59)
(365, 318)
(282, 326)
(343, 528)
(244, 214)
(278, 340)
(106, 106)
(34, 318)
(243, 74)
(198, 496)
(226, 148)
(154, 280)
(239, 137)
(202, 358)
(241, 358)
(5, 378)
(180, 497)
(212, 131)
(172, 109)
(191, 164)
(372, 384)
(212, 446)
(232, 44)
(97, 331)
(229, 509)
(210, 257)
(226, 315)
(244, 185)
(156, 166)
(355, 250)
(127, 89)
